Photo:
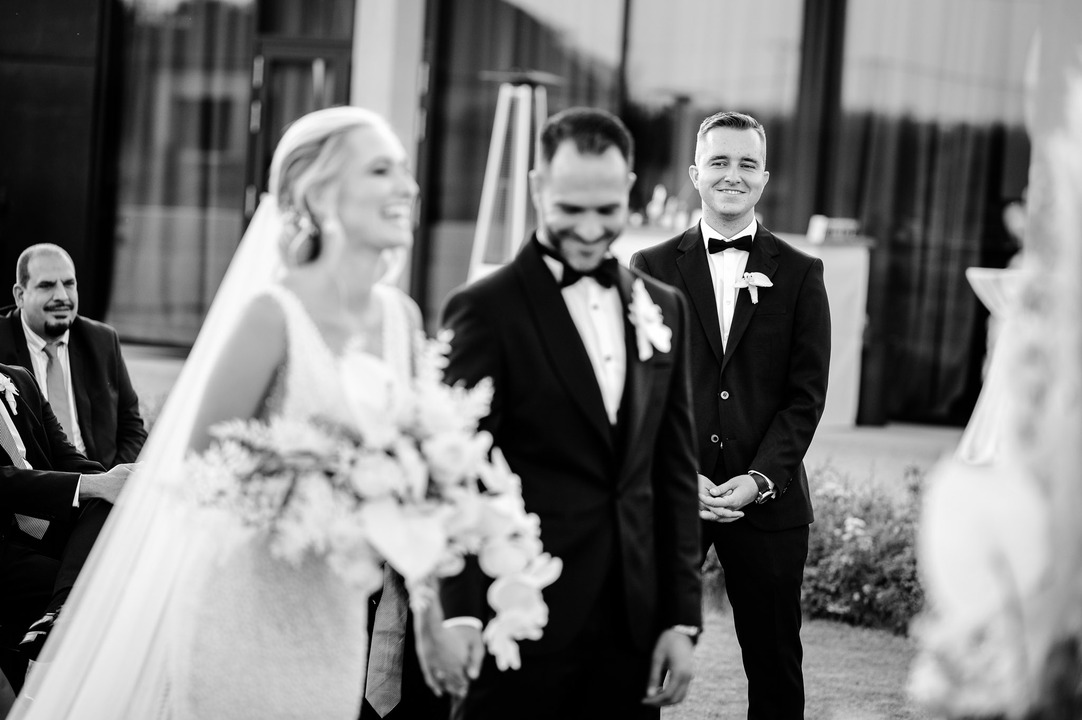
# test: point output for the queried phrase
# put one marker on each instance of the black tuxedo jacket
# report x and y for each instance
(758, 401)
(105, 400)
(47, 491)
(613, 503)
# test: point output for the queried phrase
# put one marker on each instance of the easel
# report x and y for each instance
(521, 109)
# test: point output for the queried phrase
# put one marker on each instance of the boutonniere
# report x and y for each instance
(10, 391)
(650, 330)
(753, 281)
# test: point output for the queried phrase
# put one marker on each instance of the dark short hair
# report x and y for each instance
(591, 129)
(730, 119)
(22, 265)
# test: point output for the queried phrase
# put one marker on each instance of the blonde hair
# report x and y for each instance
(306, 164)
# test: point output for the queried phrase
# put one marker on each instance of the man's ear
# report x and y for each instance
(17, 291)
(535, 180)
(631, 177)
(693, 173)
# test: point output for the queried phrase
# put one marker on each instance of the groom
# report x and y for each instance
(592, 410)
(760, 349)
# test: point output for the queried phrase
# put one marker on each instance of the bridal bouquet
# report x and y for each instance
(409, 480)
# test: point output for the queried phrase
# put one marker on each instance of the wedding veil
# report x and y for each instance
(109, 655)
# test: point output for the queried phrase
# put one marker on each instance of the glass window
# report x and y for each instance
(183, 153)
(687, 59)
(321, 19)
(197, 130)
(577, 41)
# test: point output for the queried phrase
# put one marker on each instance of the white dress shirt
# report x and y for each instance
(41, 363)
(598, 314)
(5, 415)
(726, 268)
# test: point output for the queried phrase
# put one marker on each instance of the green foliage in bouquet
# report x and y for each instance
(862, 564)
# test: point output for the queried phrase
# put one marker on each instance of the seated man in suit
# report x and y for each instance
(53, 503)
(76, 361)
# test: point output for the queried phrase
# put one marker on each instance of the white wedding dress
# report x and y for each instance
(257, 637)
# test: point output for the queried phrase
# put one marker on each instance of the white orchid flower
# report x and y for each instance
(753, 281)
(651, 332)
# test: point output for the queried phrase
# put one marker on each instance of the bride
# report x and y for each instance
(167, 620)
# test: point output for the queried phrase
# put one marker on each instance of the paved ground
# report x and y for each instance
(880, 452)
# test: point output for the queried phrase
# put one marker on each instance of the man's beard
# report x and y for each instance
(56, 328)
(557, 239)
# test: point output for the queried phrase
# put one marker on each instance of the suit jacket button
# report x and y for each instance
(714, 438)
(724, 394)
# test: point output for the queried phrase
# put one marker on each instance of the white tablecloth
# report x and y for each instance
(998, 289)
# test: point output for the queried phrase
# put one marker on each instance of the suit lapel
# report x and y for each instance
(760, 259)
(561, 338)
(638, 380)
(699, 288)
(18, 353)
(30, 427)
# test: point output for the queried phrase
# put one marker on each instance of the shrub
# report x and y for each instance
(862, 565)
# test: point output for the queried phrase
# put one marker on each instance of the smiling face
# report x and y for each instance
(49, 300)
(582, 202)
(730, 174)
(377, 191)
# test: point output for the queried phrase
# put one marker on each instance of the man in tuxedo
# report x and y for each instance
(77, 362)
(592, 410)
(760, 350)
(53, 503)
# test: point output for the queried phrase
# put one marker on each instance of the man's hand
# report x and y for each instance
(106, 485)
(450, 657)
(716, 501)
(671, 662)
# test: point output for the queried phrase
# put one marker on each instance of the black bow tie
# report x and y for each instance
(605, 273)
(743, 242)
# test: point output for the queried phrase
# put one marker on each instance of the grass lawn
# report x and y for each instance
(849, 674)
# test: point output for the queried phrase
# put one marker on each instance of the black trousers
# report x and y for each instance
(37, 576)
(763, 574)
(601, 674)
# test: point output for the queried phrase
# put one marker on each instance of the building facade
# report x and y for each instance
(137, 133)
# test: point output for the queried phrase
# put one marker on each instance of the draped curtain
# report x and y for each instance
(929, 145)
(687, 59)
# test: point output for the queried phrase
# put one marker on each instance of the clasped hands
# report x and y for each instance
(451, 657)
(722, 503)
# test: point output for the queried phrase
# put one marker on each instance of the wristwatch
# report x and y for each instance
(766, 488)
